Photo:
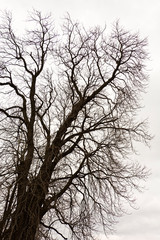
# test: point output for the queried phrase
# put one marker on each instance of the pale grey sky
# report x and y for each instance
(137, 15)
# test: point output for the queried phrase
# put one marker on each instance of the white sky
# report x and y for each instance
(136, 15)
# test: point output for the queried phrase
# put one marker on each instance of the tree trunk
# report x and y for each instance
(25, 227)
(26, 218)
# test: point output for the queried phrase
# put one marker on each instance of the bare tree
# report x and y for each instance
(67, 128)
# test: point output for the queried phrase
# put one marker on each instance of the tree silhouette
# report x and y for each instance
(67, 128)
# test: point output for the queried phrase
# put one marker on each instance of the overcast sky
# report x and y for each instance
(136, 15)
